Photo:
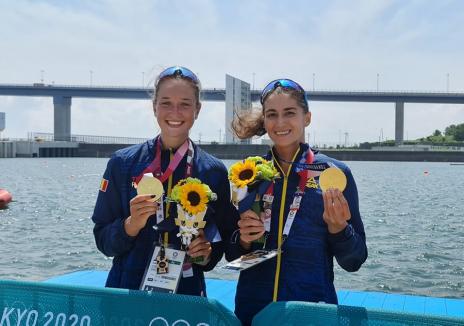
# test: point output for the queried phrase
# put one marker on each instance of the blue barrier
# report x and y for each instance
(31, 303)
(304, 313)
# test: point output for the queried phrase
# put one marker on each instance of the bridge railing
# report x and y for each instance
(91, 139)
(220, 90)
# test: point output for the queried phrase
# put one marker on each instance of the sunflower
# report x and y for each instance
(193, 198)
(243, 173)
(175, 192)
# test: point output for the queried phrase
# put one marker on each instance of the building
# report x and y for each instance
(238, 99)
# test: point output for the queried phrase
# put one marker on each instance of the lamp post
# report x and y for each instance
(378, 81)
(143, 79)
(314, 80)
(253, 85)
(42, 73)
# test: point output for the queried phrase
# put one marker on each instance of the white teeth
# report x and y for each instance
(282, 132)
(174, 123)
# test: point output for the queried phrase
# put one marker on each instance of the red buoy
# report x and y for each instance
(5, 198)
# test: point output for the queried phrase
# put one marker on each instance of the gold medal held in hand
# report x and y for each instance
(332, 178)
(149, 185)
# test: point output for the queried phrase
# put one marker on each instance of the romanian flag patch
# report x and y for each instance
(103, 185)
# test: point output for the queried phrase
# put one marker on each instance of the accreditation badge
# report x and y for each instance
(164, 270)
(267, 208)
(251, 259)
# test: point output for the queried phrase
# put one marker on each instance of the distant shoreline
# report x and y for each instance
(233, 152)
(239, 151)
(230, 152)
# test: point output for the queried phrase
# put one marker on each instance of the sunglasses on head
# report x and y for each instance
(285, 83)
(178, 71)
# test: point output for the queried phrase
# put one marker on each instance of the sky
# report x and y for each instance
(346, 45)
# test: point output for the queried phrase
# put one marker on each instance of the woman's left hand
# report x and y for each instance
(200, 247)
(336, 210)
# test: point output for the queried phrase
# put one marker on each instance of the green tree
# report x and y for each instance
(437, 132)
(450, 130)
(459, 132)
(456, 131)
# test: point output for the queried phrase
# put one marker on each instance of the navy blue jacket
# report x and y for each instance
(306, 269)
(131, 254)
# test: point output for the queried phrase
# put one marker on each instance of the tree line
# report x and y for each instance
(455, 132)
(452, 136)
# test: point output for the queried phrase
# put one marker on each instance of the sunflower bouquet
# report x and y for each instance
(247, 174)
(246, 178)
(192, 197)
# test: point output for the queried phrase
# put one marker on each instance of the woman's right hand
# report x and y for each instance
(141, 208)
(251, 228)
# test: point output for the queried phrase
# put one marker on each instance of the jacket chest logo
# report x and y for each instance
(311, 183)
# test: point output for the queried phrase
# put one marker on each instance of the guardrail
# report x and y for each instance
(91, 139)
(308, 89)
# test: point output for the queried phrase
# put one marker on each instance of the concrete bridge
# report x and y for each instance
(63, 94)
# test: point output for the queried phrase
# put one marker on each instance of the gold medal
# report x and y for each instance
(332, 178)
(150, 185)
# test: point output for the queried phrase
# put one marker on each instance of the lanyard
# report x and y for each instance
(268, 197)
(155, 166)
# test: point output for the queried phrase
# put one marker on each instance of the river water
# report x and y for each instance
(413, 214)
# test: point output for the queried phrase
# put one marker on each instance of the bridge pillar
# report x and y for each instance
(62, 117)
(399, 123)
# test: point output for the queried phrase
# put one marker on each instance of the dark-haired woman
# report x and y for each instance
(309, 227)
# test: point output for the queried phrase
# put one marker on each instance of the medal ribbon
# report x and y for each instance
(155, 166)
